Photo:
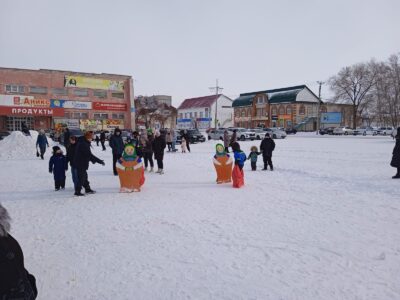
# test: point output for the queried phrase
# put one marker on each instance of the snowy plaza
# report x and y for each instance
(323, 225)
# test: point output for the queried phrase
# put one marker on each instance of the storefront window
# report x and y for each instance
(38, 90)
(243, 113)
(100, 94)
(288, 110)
(282, 110)
(118, 116)
(273, 111)
(100, 116)
(15, 123)
(302, 110)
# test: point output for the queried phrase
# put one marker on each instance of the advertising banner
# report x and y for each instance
(112, 124)
(25, 101)
(31, 111)
(93, 83)
(62, 123)
(70, 104)
(331, 118)
(88, 124)
(184, 123)
(110, 106)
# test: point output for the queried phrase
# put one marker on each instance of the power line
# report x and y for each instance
(217, 88)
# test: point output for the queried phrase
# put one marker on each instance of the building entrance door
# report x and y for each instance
(15, 123)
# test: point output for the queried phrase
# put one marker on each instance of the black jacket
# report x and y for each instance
(267, 146)
(158, 147)
(13, 275)
(117, 144)
(83, 155)
(67, 135)
(148, 146)
(71, 154)
(396, 153)
(102, 136)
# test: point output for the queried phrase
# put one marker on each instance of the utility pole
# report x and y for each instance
(319, 105)
(217, 88)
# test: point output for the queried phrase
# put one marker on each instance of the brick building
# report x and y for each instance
(284, 107)
(45, 99)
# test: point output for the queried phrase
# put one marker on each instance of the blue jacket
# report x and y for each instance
(240, 158)
(42, 141)
(58, 165)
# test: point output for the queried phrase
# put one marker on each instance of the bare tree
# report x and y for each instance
(354, 85)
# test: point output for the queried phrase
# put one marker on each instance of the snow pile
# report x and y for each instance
(17, 145)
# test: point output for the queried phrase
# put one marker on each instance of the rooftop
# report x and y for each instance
(205, 101)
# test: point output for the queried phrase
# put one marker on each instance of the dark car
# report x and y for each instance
(327, 130)
(195, 136)
(290, 131)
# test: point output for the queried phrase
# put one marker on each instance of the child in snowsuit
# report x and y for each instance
(183, 145)
(253, 157)
(58, 165)
(267, 146)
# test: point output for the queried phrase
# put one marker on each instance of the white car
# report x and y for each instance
(365, 131)
(259, 133)
(245, 134)
(342, 130)
(217, 134)
(275, 133)
(385, 130)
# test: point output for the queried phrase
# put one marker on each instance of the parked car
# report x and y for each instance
(327, 130)
(342, 130)
(365, 131)
(245, 134)
(217, 134)
(275, 133)
(385, 130)
(195, 136)
(290, 131)
(259, 133)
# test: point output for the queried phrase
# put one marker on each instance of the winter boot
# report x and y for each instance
(161, 171)
(89, 191)
(78, 193)
(397, 176)
(158, 171)
(151, 170)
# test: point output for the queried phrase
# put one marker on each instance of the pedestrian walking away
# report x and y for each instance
(233, 138)
(42, 142)
(70, 159)
(103, 139)
(169, 140)
(158, 148)
(83, 155)
(15, 281)
(117, 145)
(58, 165)
(267, 146)
(395, 163)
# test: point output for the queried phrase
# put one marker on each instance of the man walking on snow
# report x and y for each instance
(267, 147)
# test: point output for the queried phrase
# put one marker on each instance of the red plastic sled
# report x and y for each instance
(237, 177)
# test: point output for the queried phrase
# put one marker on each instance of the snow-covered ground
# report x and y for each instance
(323, 225)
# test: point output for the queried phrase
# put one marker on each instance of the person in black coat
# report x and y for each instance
(148, 152)
(103, 139)
(267, 146)
(395, 163)
(83, 156)
(67, 135)
(117, 145)
(15, 280)
(159, 145)
(58, 164)
(70, 159)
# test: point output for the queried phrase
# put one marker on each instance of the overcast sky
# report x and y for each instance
(179, 47)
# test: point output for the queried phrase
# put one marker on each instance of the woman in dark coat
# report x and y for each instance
(395, 163)
(42, 142)
(148, 151)
(159, 145)
(15, 280)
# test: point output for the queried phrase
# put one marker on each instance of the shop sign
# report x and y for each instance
(331, 118)
(31, 111)
(70, 104)
(274, 118)
(93, 83)
(110, 106)
(25, 101)
(62, 123)
(285, 117)
(89, 124)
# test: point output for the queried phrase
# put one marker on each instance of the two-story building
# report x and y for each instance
(205, 112)
(285, 107)
(44, 99)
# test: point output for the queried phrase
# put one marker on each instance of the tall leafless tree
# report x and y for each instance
(353, 85)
